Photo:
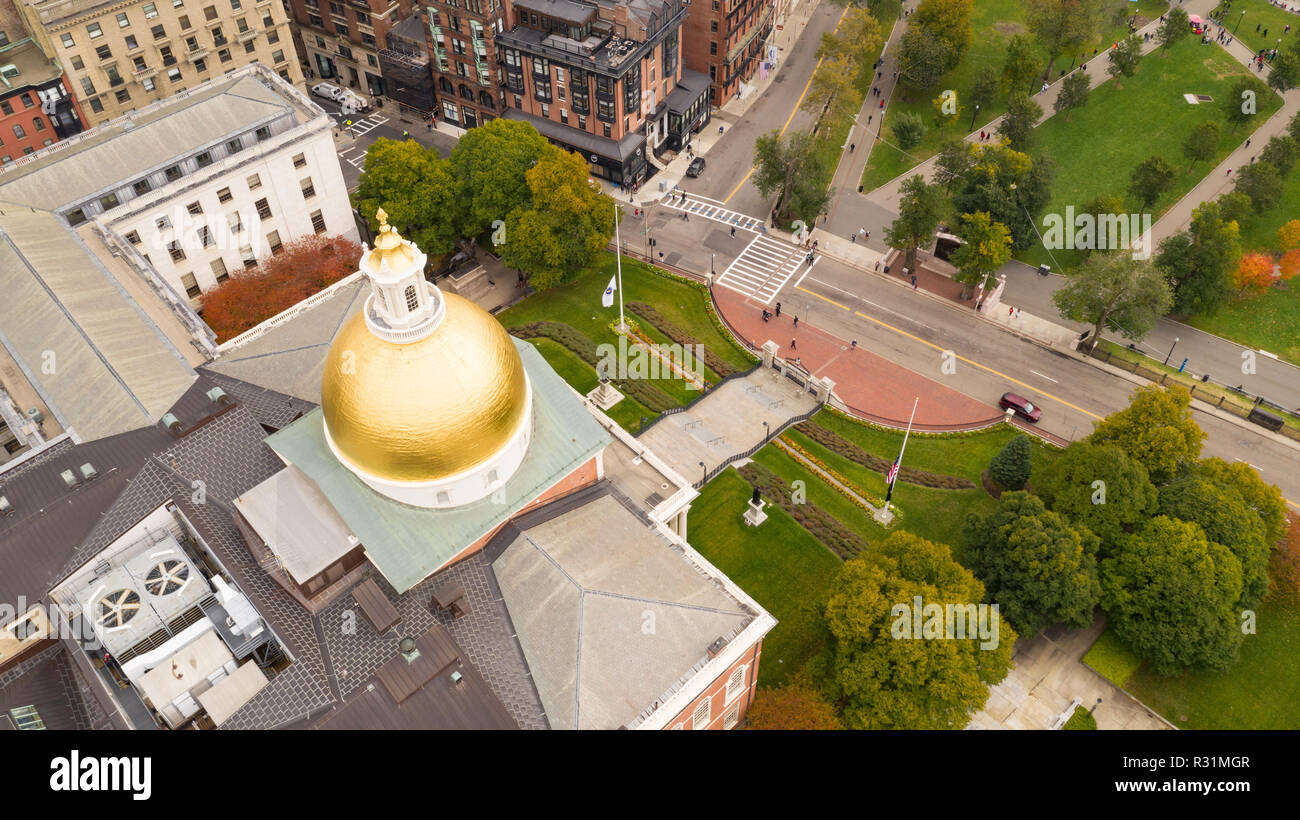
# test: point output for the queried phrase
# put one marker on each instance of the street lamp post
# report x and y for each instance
(1239, 19)
(1171, 350)
(973, 115)
(712, 271)
(704, 473)
(767, 432)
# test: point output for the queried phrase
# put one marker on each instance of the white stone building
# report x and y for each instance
(195, 187)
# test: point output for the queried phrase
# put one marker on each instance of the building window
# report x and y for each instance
(97, 105)
(308, 190)
(219, 270)
(103, 53)
(234, 146)
(246, 257)
(263, 208)
(210, 13)
(224, 55)
(299, 160)
(713, 49)
(700, 719)
(277, 57)
(736, 683)
(732, 717)
(39, 123)
(77, 63)
(191, 286)
(108, 201)
(224, 195)
(94, 31)
(163, 223)
(142, 187)
(123, 96)
(7, 108)
(26, 717)
(204, 159)
(250, 47)
(75, 217)
(205, 236)
(177, 253)
(200, 65)
(133, 237)
(318, 222)
(174, 75)
(254, 182)
(158, 33)
(194, 208)
(150, 11)
(273, 239)
(148, 84)
(713, 26)
(412, 299)
(19, 132)
(173, 173)
(263, 133)
(68, 42)
(122, 20)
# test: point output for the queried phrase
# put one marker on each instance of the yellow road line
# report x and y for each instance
(1292, 503)
(793, 111)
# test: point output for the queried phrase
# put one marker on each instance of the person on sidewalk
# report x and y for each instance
(853, 238)
(778, 310)
(853, 345)
(913, 282)
(796, 321)
(851, 147)
(794, 345)
(1229, 172)
(877, 264)
(1247, 142)
(733, 230)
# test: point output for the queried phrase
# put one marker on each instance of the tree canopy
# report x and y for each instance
(1011, 465)
(1222, 513)
(919, 211)
(418, 189)
(987, 248)
(1115, 291)
(1156, 430)
(884, 681)
(790, 168)
(1197, 263)
(1097, 486)
(1039, 569)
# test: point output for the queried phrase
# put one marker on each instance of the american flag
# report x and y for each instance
(893, 472)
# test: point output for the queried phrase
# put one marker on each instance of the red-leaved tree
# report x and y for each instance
(1289, 265)
(301, 268)
(797, 706)
(1254, 273)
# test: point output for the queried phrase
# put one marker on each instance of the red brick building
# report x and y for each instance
(340, 40)
(461, 39)
(36, 107)
(727, 39)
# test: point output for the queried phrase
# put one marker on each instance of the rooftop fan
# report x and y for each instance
(118, 608)
(166, 577)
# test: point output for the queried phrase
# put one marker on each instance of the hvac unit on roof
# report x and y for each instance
(36, 415)
(172, 424)
(70, 479)
(88, 471)
(218, 396)
(166, 577)
(116, 609)
(5, 506)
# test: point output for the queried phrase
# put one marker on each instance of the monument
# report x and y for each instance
(755, 515)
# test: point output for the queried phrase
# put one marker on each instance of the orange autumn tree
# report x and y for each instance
(1254, 273)
(1289, 265)
(796, 706)
(301, 268)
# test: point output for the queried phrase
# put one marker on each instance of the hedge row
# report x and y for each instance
(820, 524)
(573, 339)
(681, 337)
(722, 329)
(838, 444)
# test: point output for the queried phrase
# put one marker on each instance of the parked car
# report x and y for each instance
(1022, 407)
(696, 167)
(329, 91)
(351, 102)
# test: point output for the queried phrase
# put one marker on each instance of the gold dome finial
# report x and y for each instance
(389, 245)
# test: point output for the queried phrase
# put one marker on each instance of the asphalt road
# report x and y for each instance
(352, 142)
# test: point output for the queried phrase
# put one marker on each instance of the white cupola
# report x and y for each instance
(402, 306)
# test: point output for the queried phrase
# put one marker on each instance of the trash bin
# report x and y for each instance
(1043, 270)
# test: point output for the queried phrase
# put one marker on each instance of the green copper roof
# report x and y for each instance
(408, 543)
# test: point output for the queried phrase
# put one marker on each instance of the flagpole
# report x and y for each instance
(618, 257)
(890, 491)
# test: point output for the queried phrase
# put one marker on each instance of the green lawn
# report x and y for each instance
(1111, 659)
(1265, 15)
(993, 22)
(582, 377)
(1081, 719)
(1097, 149)
(778, 563)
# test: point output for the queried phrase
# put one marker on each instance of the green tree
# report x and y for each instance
(567, 226)
(987, 248)
(1169, 593)
(790, 168)
(1062, 24)
(1151, 179)
(1019, 121)
(1156, 430)
(1010, 186)
(1262, 183)
(1197, 263)
(1021, 65)
(861, 32)
(1233, 207)
(1074, 93)
(1240, 105)
(418, 189)
(1039, 569)
(1284, 71)
(491, 162)
(1202, 142)
(919, 211)
(922, 58)
(1098, 487)
(1175, 27)
(1221, 512)
(1293, 127)
(1264, 498)
(1123, 58)
(1010, 467)
(1115, 291)
(984, 89)
(831, 95)
(953, 162)
(1281, 151)
(883, 678)
(908, 129)
(949, 22)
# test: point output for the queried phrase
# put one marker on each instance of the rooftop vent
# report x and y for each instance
(36, 415)
(408, 649)
(457, 677)
(218, 396)
(118, 608)
(166, 577)
(5, 506)
(172, 423)
(70, 479)
(716, 647)
(88, 471)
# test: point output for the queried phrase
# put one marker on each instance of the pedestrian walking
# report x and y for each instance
(1011, 311)
(1265, 32)
(853, 345)
(794, 345)
(1252, 159)
(778, 310)
(913, 282)
(877, 264)
(796, 321)
(868, 234)
(853, 238)
(868, 119)
(814, 244)
(851, 147)
(1229, 172)
(733, 230)
(765, 314)
(1247, 142)
(882, 104)
(1257, 25)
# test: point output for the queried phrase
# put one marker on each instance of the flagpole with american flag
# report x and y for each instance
(618, 260)
(893, 470)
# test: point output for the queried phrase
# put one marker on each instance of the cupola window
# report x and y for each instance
(412, 300)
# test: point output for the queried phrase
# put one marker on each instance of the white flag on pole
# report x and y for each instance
(607, 300)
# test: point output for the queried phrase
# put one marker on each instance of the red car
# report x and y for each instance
(1022, 407)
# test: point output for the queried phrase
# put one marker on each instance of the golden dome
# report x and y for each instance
(429, 409)
(389, 246)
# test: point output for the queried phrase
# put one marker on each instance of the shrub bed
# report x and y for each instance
(681, 337)
(841, 446)
(569, 336)
(820, 524)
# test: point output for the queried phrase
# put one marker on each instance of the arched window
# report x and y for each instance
(412, 300)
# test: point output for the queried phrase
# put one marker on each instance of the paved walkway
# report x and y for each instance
(1049, 677)
(870, 385)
